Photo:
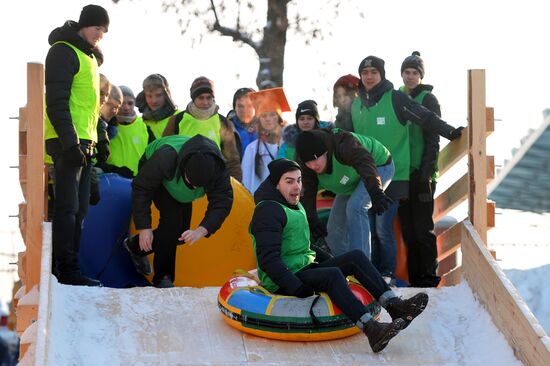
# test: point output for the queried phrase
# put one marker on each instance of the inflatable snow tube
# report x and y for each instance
(250, 308)
(212, 260)
(101, 254)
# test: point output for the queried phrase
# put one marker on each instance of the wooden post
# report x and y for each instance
(477, 156)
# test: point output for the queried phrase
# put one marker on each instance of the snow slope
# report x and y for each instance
(182, 326)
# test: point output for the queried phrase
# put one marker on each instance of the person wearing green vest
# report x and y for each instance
(357, 169)
(201, 117)
(287, 265)
(384, 114)
(344, 92)
(415, 213)
(175, 171)
(129, 141)
(70, 132)
(307, 118)
(155, 103)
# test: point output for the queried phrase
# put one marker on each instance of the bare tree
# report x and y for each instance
(240, 20)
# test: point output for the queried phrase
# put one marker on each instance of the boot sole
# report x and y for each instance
(417, 308)
(398, 325)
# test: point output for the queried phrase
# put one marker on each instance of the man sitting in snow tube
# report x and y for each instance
(287, 265)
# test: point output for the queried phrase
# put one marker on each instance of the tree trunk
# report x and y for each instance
(271, 53)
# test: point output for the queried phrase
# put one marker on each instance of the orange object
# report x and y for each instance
(401, 268)
(270, 100)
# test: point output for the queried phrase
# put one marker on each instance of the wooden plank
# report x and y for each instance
(490, 121)
(447, 264)
(490, 164)
(448, 241)
(35, 171)
(497, 294)
(477, 155)
(453, 152)
(491, 209)
(451, 278)
(452, 197)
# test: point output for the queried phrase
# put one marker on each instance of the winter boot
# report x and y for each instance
(407, 309)
(379, 334)
(163, 282)
(141, 264)
(76, 278)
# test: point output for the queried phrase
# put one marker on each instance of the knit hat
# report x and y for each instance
(278, 167)
(270, 100)
(310, 145)
(200, 168)
(126, 91)
(373, 61)
(93, 15)
(415, 62)
(307, 107)
(201, 85)
(241, 93)
(349, 81)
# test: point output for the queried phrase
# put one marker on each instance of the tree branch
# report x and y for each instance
(229, 32)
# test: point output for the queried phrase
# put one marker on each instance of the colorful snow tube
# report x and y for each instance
(249, 307)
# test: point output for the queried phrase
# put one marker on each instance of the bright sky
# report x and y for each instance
(506, 38)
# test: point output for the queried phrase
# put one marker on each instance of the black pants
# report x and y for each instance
(330, 277)
(175, 218)
(417, 227)
(72, 197)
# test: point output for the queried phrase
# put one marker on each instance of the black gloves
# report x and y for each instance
(421, 187)
(75, 156)
(380, 202)
(318, 230)
(304, 291)
(124, 172)
(455, 133)
(103, 151)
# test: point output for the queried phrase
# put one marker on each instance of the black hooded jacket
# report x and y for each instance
(267, 225)
(61, 66)
(162, 166)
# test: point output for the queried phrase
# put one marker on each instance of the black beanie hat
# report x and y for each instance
(415, 62)
(310, 145)
(200, 168)
(373, 61)
(308, 107)
(278, 167)
(241, 93)
(93, 15)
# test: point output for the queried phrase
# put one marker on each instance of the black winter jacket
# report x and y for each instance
(348, 151)
(60, 68)
(162, 166)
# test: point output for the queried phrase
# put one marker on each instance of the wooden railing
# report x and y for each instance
(509, 312)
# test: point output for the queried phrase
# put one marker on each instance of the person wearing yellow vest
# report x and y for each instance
(175, 171)
(129, 141)
(70, 131)
(416, 212)
(155, 103)
(357, 169)
(288, 265)
(384, 114)
(201, 117)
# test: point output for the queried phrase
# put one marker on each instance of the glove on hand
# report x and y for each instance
(304, 291)
(103, 151)
(380, 202)
(456, 133)
(94, 193)
(318, 230)
(124, 172)
(75, 156)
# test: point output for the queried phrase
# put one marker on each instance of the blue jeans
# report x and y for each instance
(348, 224)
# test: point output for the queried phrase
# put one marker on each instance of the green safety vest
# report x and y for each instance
(83, 101)
(295, 250)
(344, 178)
(416, 139)
(158, 126)
(128, 145)
(175, 186)
(381, 123)
(190, 126)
